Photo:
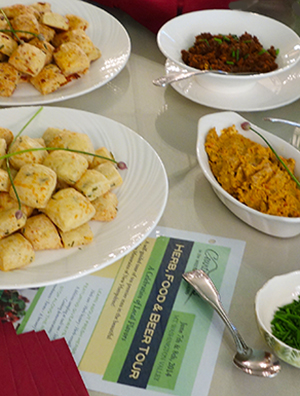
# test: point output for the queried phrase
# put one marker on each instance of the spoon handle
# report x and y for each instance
(204, 286)
(282, 121)
(174, 77)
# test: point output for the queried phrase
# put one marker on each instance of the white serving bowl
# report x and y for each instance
(278, 291)
(283, 227)
(179, 33)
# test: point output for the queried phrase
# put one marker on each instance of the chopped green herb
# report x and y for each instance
(226, 39)
(286, 324)
(218, 40)
(261, 52)
(205, 40)
(230, 63)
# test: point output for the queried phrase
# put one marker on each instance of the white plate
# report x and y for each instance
(142, 197)
(267, 94)
(106, 33)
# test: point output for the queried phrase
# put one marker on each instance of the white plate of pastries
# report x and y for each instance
(96, 220)
(57, 50)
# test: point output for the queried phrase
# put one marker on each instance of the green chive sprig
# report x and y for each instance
(246, 127)
(14, 31)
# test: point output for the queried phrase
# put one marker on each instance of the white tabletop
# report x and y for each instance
(168, 121)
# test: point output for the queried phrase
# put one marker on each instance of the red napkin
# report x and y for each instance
(39, 365)
(33, 365)
(68, 362)
(153, 14)
(7, 381)
(24, 381)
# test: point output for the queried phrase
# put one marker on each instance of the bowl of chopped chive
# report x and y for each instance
(236, 42)
(277, 308)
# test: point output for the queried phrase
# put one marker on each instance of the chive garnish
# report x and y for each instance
(237, 55)
(246, 127)
(262, 52)
(230, 63)
(14, 31)
(226, 39)
(205, 40)
(218, 40)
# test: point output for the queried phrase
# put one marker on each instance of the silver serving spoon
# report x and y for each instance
(293, 123)
(251, 361)
(177, 76)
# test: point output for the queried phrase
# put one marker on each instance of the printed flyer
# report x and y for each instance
(136, 327)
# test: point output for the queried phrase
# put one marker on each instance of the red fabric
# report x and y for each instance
(32, 365)
(38, 364)
(153, 14)
(7, 381)
(22, 375)
(61, 347)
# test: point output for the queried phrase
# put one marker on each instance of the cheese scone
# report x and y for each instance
(15, 252)
(109, 170)
(68, 166)
(4, 181)
(79, 37)
(41, 233)
(79, 236)
(9, 79)
(28, 59)
(92, 184)
(9, 223)
(3, 147)
(7, 44)
(71, 59)
(47, 32)
(7, 202)
(74, 141)
(26, 143)
(44, 46)
(25, 24)
(106, 207)
(76, 22)
(104, 152)
(7, 135)
(17, 9)
(55, 20)
(35, 183)
(41, 7)
(68, 209)
(50, 134)
(49, 79)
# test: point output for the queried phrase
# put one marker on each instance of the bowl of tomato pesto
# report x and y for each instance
(245, 46)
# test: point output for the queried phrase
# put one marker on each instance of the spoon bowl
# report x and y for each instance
(251, 361)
